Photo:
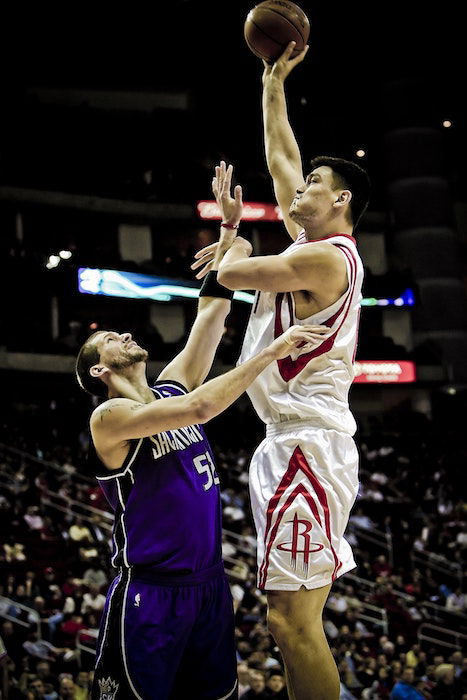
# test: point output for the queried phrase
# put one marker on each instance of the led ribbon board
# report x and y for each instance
(384, 372)
(135, 285)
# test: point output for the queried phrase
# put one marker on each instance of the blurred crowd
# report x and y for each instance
(408, 530)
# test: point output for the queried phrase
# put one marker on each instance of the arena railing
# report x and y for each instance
(442, 637)
(76, 475)
(236, 568)
(369, 613)
(439, 613)
(240, 543)
(78, 508)
(432, 560)
(382, 540)
(82, 646)
(6, 604)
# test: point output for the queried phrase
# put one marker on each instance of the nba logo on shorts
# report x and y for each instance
(301, 543)
(108, 689)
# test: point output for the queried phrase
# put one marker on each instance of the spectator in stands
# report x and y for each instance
(36, 689)
(79, 532)
(82, 685)
(33, 518)
(93, 601)
(257, 689)
(275, 686)
(447, 685)
(404, 689)
(67, 689)
(457, 601)
(95, 575)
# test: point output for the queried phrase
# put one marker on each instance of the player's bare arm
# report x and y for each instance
(192, 365)
(119, 420)
(282, 151)
(319, 269)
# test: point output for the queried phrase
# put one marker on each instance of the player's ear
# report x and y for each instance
(98, 371)
(344, 198)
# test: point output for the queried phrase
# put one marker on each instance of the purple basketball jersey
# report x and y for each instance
(166, 500)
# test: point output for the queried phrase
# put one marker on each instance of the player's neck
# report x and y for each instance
(315, 232)
(132, 384)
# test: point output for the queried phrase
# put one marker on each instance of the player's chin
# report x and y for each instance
(139, 355)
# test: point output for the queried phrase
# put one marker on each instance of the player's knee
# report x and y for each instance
(278, 624)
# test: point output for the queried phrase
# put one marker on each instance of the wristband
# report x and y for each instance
(231, 226)
(212, 288)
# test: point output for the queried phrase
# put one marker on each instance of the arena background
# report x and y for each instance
(110, 129)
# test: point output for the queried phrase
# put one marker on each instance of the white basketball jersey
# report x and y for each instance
(312, 384)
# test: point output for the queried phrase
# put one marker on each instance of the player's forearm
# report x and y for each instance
(279, 139)
(231, 267)
(218, 394)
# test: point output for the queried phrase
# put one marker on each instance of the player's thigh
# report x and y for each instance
(293, 609)
(209, 667)
(159, 624)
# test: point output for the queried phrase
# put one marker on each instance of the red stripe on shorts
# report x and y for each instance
(297, 463)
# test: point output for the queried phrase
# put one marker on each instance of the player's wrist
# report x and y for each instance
(230, 225)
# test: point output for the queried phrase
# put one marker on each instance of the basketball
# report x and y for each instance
(272, 24)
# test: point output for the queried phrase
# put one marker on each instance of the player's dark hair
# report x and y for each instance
(88, 356)
(349, 176)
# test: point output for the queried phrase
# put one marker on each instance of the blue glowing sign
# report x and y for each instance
(136, 285)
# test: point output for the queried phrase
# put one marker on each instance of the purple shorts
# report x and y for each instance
(167, 638)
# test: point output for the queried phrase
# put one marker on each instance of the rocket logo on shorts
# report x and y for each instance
(300, 539)
(108, 689)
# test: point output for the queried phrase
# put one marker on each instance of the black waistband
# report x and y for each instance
(143, 573)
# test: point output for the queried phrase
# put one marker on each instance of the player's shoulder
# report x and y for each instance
(320, 252)
(112, 408)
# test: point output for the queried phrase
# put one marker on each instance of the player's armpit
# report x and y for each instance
(316, 268)
(118, 420)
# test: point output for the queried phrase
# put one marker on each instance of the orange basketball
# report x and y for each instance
(272, 24)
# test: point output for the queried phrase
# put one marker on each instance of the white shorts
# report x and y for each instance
(303, 484)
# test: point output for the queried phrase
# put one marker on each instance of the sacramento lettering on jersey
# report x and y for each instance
(174, 440)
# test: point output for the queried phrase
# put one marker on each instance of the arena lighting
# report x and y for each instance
(447, 123)
(135, 285)
(360, 153)
(65, 254)
(384, 372)
(405, 299)
(252, 211)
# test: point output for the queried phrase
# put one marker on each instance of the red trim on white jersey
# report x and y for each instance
(316, 240)
(289, 368)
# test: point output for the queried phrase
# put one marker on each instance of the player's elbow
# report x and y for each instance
(201, 409)
(228, 278)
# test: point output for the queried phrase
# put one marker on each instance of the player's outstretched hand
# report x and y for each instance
(299, 337)
(204, 258)
(231, 207)
(284, 64)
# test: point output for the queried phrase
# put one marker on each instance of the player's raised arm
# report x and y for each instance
(192, 365)
(120, 419)
(282, 151)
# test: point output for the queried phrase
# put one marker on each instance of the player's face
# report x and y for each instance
(119, 350)
(314, 200)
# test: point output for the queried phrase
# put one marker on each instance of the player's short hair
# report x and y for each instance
(89, 356)
(349, 176)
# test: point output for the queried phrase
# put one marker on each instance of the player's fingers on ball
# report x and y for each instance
(288, 51)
